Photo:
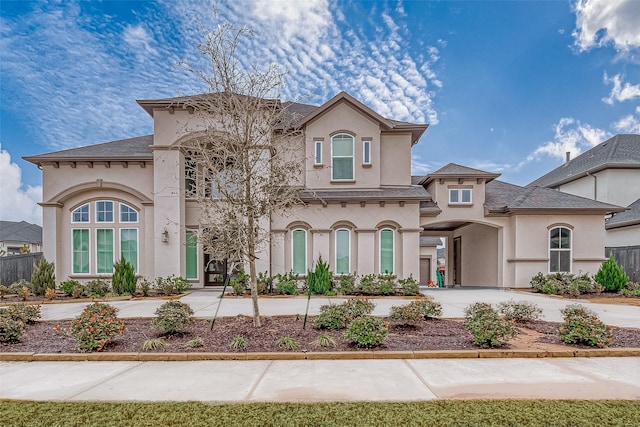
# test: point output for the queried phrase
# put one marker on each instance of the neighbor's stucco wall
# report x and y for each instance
(623, 236)
(616, 186)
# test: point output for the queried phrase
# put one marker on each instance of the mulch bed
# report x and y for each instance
(439, 334)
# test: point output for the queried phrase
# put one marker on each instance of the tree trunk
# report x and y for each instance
(253, 277)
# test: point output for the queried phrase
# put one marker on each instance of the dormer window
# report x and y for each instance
(342, 157)
(460, 196)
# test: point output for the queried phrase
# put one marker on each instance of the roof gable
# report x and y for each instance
(620, 151)
(454, 170)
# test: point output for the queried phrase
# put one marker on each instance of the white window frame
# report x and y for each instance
(353, 158)
(120, 230)
(560, 249)
(393, 250)
(113, 250)
(121, 205)
(317, 153)
(88, 206)
(335, 250)
(113, 212)
(459, 192)
(88, 230)
(305, 250)
(195, 234)
(366, 150)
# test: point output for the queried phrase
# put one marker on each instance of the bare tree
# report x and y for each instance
(244, 158)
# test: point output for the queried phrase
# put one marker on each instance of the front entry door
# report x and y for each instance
(457, 261)
(425, 271)
(214, 271)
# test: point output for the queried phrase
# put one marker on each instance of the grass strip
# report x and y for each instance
(432, 413)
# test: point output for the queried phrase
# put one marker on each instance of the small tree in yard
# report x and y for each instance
(245, 156)
(43, 277)
(611, 276)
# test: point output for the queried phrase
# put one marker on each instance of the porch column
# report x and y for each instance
(410, 254)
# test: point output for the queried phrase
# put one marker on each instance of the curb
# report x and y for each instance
(328, 355)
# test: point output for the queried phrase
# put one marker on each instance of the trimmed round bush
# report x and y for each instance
(11, 329)
(487, 327)
(332, 316)
(521, 311)
(172, 317)
(366, 331)
(582, 326)
(414, 312)
(96, 327)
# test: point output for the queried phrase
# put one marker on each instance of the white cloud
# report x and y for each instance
(620, 92)
(628, 124)
(419, 166)
(18, 203)
(603, 22)
(137, 37)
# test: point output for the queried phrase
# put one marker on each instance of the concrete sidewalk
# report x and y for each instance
(323, 380)
(205, 302)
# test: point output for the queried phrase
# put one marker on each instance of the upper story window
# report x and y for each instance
(317, 154)
(560, 250)
(366, 152)
(460, 196)
(81, 214)
(104, 211)
(342, 157)
(128, 214)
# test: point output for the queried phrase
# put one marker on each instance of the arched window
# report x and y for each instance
(299, 251)
(128, 214)
(343, 251)
(386, 244)
(560, 250)
(81, 214)
(342, 157)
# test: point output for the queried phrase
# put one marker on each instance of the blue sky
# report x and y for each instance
(507, 86)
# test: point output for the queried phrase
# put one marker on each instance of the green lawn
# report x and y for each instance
(432, 413)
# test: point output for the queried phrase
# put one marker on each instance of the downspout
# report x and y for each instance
(595, 186)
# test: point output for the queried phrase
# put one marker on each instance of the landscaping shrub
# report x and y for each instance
(43, 277)
(369, 285)
(77, 291)
(50, 294)
(96, 327)
(239, 343)
(564, 283)
(287, 343)
(357, 307)
(414, 312)
(332, 316)
(387, 284)
(632, 289)
(68, 285)
(287, 287)
(366, 331)
(319, 280)
(16, 287)
(240, 283)
(3, 291)
(195, 343)
(172, 285)
(611, 276)
(172, 317)
(582, 326)
(154, 344)
(521, 311)
(346, 284)
(325, 341)
(409, 286)
(25, 313)
(488, 329)
(97, 288)
(145, 287)
(265, 283)
(10, 329)
(124, 280)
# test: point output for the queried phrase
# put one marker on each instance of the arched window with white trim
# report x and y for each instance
(342, 167)
(386, 250)
(560, 250)
(343, 251)
(299, 251)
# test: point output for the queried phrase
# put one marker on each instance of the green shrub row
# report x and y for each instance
(14, 320)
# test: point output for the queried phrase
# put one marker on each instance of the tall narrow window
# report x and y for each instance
(386, 251)
(366, 152)
(299, 251)
(129, 246)
(191, 254)
(104, 211)
(317, 157)
(342, 157)
(80, 251)
(559, 250)
(128, 214)
(81, 214)
(104, 250)
(343, 249)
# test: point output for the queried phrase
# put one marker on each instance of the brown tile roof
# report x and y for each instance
(620, 151)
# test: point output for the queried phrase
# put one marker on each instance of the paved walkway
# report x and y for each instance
(327, 380)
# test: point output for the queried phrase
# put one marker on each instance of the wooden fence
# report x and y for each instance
(628, 257)
(16, 267)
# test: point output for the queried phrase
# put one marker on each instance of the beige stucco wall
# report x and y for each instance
(616, 186)
(395, 159)
(624, 236)
(479, 255)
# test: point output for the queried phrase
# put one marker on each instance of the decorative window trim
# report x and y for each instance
(352, 157)
(113, 213)
(86, 205)
(317, 153)
(304, 270)
(366, 153)
(393, 250)
(560, 249)
(124, 205)
(459, 192)
(335, 257)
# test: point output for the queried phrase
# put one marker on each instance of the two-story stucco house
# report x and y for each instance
(363, 211)
(609, 172)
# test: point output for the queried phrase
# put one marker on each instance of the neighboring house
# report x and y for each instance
(16, 235)
(363, 210)
(609, 172)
